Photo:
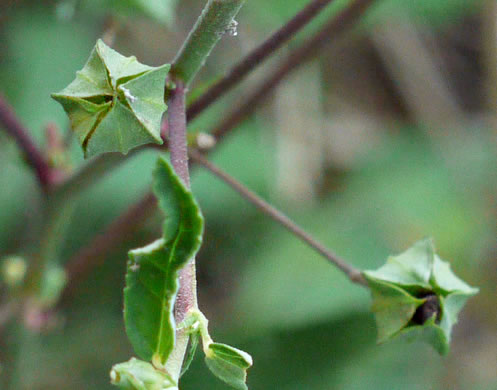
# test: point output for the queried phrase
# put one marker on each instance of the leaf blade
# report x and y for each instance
(152, 272)
(228, 364)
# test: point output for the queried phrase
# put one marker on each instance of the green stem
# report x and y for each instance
(216, 19)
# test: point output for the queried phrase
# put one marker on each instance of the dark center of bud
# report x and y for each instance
(428, 309)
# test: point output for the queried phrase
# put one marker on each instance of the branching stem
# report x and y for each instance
(238, 72)
(305, 52)
(337, 24)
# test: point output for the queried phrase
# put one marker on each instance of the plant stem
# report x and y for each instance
(102, 164)
(330, 31)
(238, 72)
(177, 133)
(216, 19)
(352, 273)
(31, 152)
(337, 24)
(186, 298)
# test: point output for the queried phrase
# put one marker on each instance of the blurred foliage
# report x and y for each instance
(304, 324)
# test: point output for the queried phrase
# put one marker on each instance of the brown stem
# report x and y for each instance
(177, 132)
(186, 298)
(353, 273)
(33, 155)
(256, 57)
(330, 31)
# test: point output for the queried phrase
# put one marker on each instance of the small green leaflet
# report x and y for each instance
(138, 375)
(226, 362)
(115, 103)
(416, 295)
(229, 364)
(152, 271)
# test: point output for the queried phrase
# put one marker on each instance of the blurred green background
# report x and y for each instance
(389, 136)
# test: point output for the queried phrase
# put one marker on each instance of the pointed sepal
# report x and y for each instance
(115, 103)
(416, 295)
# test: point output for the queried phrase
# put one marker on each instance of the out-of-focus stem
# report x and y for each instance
(33, 155)
(330, 31)
(352, 273)
(238, 72)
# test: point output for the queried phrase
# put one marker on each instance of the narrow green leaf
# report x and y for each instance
(115, 103)
(190, 354)
(228, 364)
(139, 375)
(152, 272)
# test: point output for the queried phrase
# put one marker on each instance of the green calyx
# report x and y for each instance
(115, 103)
(416, 295)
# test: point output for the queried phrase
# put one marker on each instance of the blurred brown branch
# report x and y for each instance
(238, 72)
(20, 134)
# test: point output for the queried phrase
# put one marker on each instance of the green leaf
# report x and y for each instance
(139, 375)
(228, 364)
(115, 103)
(190, 354)
(152, 271)
(416, 295)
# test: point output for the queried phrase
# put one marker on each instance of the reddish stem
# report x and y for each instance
(18, 132)
(256, 57)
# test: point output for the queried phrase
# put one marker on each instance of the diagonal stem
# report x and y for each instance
(33, 155)
(352, 273)
(238, 72)
(329, 32)
(216, 19)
